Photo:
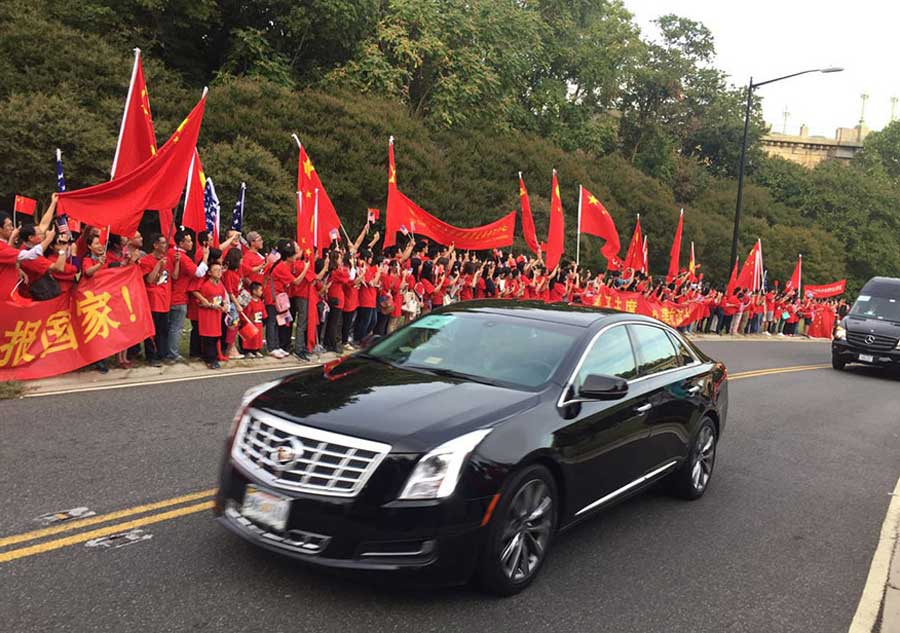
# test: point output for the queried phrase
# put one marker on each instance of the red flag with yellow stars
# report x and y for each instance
(634, 258)
(315, 222)
(194, 216)
(556, 234)
(156, 184)
(594, 219)
(528, 230)
(137, 139)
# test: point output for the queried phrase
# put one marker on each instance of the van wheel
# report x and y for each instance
(520, 532)
(837, 363)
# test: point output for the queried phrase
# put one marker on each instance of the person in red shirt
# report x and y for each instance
(284, 280)
(157, 281)
(338, 278)
(351, 298)
(186, 277)
(35, 269)
(255, 312)
(231, 278)
(213, 299)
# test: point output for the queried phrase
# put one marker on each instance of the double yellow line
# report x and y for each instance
(181, 506)
(81, 537)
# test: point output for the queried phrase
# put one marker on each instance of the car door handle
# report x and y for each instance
(643, 408)
(694, 390)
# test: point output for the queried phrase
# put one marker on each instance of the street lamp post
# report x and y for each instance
(740, 191)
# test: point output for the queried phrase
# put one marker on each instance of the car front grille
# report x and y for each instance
(878, 343)
(301, 458)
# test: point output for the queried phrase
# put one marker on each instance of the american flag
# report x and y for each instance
(62, 221)
(212, 209)
(60, 179)
(237, 216)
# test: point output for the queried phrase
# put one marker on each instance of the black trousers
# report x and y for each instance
(365, 321)
(347, 325)
(381, 324)
(155, 347)
(194, 348)
(333, 328)
(210, 347)
(300, 307)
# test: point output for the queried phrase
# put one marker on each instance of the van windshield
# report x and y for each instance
(881, 308)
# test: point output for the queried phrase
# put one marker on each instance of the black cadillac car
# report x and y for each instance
(870, 333)
(458, 446)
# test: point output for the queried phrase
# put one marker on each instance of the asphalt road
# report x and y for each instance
(782, 541)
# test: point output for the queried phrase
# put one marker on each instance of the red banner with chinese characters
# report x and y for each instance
(669, 312)
(826, 290)
(101, 315)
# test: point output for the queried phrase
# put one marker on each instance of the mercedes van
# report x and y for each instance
(870, 333)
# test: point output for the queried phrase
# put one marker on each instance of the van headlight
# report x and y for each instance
(840, 333)
(437, 473)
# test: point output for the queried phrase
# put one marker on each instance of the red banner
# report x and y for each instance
(826, 290)
(102, 315)
(669, 312)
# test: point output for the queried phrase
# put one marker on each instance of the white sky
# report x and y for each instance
(769, 38)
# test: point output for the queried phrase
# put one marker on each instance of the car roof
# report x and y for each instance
(577, 315)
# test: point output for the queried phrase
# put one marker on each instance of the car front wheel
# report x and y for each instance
(837, 363)
(520, 532)
(691, 480)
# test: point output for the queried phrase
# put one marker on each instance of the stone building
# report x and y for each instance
(809, 151)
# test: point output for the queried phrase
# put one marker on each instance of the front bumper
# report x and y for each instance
(435, 541)
(849, 353)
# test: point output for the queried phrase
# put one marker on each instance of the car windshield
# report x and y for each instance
(872, 307)
(495, 349)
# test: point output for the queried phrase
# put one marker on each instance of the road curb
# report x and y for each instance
(755, 338)
(879, 606)
(85, 381)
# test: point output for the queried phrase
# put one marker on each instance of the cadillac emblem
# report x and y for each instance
(286, 455)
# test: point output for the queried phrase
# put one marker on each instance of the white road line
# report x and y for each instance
(873, 593)
(165, 381)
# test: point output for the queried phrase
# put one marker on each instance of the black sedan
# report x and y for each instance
(458, 446)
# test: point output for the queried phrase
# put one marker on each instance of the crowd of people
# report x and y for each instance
(244, 300)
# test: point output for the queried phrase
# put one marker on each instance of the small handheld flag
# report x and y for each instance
(211, 209)
(237, 215)
(373, 215)
(334, 234)
(24, 205)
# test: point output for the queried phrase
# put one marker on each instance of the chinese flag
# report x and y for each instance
(528, 230)
(796, 278)
(24, 205)
(594, 219)
(732, 282)
(675, 253)
(137, 140)
(557, 233)
(751, 272)
(315, 223)
(634, 258)
(156, 184)
(194, 216)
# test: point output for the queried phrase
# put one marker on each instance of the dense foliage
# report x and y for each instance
(473, 91)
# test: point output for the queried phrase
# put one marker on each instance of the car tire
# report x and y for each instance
(837, 363)
(519, 539)
(688, 482)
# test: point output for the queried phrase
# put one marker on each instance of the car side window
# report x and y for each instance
(611, 355)
(684, 356)
(655, 349)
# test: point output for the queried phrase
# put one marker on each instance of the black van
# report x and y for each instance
(870, 334)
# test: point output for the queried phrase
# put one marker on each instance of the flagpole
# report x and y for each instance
(297, 138)
(316, 221)
(137, 58)
(187, 186)
(800, 276)
(578, 237)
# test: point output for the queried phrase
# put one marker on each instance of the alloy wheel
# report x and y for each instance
(527, 530)
(704, 457)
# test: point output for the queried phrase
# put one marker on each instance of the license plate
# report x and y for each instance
(266, 507)
(866, 358)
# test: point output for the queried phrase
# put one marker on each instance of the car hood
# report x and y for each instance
(865, 325)
(410, 410)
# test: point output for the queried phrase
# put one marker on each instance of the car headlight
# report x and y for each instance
(437, 473)
(840, 333)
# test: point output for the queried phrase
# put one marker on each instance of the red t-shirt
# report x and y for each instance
(340, 276)
(282, 277)
(66, 277)
(34, 269)
(301, 288)
(252, 261)
(368, 294)
(211, 319)
(466, 293)
(437, 295)
(89, 262)
(9, 276)
(232, 281)
(187, 280)
(159, 294)
(351, 295)
(255, 311)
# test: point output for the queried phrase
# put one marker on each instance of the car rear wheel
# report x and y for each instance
(692, 479)
(837, 363)
(520, 532)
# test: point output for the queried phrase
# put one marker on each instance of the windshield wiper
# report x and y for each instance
(452, 373)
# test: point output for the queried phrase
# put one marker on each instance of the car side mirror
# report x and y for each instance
(602, 387)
